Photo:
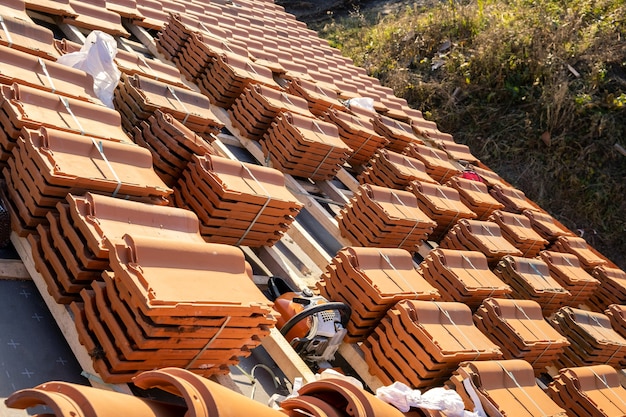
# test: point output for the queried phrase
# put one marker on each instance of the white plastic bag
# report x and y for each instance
(362, 102)
(96, 59)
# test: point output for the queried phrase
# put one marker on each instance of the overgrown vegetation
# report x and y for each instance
(537, 89)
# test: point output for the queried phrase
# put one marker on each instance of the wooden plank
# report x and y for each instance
(63, 318)
(353, 355)
(13, 269)
(286, 358)
(348, 180)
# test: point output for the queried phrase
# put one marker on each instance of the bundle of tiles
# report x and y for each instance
(617, 314)
(578, 246)
(393, 170)
(138, 97)
(462, 275)
(421, 343)
(48, 164)
(482, 236)
(358, 133)
(436, 161)
(506, 387)
(458, 152)
(179, 27)
(475, 195)
(70, 253)
(518, 327)
(530, 279)
(516, 228)
(21, 33)
(229, 75)
(193, 302)
(612, 288)
(440, 203)
(399, 134)
(237, 203)
(546, 225)
(305, 147)
(513, 199)
(566, 270)
(320, 99)
(382, 217)
(593, 340)
(258, 106)
(589, 391)
(371, 281)
(171, 144)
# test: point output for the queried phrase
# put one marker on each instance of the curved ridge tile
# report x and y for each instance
(60, 404)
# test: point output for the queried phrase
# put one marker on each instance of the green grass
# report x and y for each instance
(500, 74)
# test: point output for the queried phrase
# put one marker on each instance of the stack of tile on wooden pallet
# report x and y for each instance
(436, 161)
(47, 164)
(617, 315)
(593, 340)
(566, 270)
(589, 391)
(578, 246)
(612, 288)
(138, 97)
(516, 228)
(371, 281)
(442, 204)
(513, 199)
(203, 320)
(382, 217)
(462, 275)
(237, 203)
(530, 279)
(421, 343)
(518, 327)
(258, 106)
(305, 147)
(393, 170)
(358, 133)
(70, 253)
(171, 144)
(475, 195)
(482, 236)
(505, 387)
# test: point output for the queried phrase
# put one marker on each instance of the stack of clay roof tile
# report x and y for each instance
(442, 204)
(305, 147)
(462, 275)
(485, 237)
(195, 300)
(393, 170)
(371, 281)
(593, 340)
(506, 387)
(617, 314)
(93, 15)
(138, 97)
(516, 228)
(382, 217)
(566, 270)
(589, 391)
(53, 7)
(358, 133)
(237, 203)
(530, 279)
(513, 199)
(612, 288)
(399, 134)
(475, 195)
(421, 343)
(171, 143)
(24, 35)
(457, 151)
(578, 246)
(24, 106)
(320, 98)
(518, 327)
(258, 106)
(546, 225)
(436, 161)
(48, 164)
(70, 253)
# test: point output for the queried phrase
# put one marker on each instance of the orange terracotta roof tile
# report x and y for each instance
(393, 170)
(26, 36)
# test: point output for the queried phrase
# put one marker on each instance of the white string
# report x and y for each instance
(609, 387)
(211, 340)
(100, 149)
(6, 32)
(66, 103)
(173, 93)
(45, 71)
(386, 258)
(322, 161)
(510, 375)
(447, 314)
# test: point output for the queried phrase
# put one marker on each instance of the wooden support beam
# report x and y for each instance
(13, 269)
(286, 358)
(353, 355)
(63, 318)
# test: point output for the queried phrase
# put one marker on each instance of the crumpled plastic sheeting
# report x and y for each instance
(96, 59)
(403, 398)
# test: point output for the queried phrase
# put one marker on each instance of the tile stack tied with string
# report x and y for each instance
(475, 195)
(567, 271)
(393, 170)
(421, 343)
(237, 203)
(516, 229)
(436, 162)
(612, 288)
(371, 281)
